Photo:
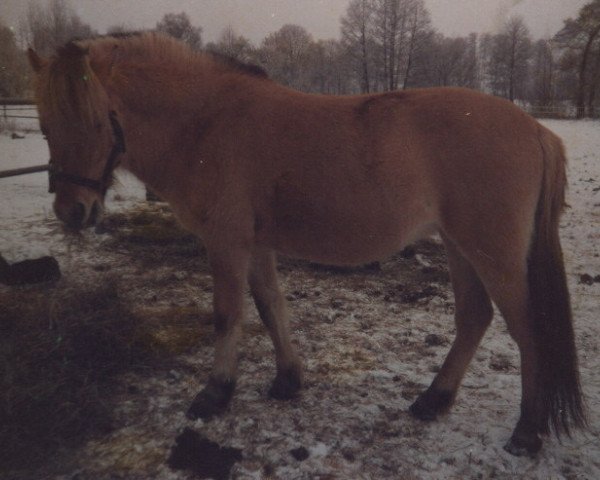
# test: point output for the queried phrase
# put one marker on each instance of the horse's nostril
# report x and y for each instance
(77, 216)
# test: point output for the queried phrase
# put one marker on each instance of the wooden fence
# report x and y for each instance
(559, 111)
(25, 109)
(17, 108)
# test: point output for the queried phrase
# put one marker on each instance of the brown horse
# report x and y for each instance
(254, 168)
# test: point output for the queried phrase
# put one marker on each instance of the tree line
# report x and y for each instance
(383, 45)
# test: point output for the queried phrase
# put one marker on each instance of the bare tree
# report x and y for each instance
(471, 67)
(388, 41)
(285, 53)
(544, 79)
(390, 32)
(233, 45)
(508, 63)
(329, 68)
(401, 31)
(45, 28)
(356, 27)
(419, 33)
(179, 26)
(592, 102)
(581, 39)
(13, 67)
(453, 61)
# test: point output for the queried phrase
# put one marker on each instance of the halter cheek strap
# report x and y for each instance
(100, 186)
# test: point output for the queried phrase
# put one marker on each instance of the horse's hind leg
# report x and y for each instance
(271, 307)
(473, 313)
(230, 273)
(512, 300)
(503, 271)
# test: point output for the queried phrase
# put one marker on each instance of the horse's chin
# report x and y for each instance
(77, 217)
(78, 229)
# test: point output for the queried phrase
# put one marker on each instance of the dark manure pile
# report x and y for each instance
(61, 347)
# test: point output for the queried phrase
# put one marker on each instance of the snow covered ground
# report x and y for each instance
(366, 356)
(26, 205)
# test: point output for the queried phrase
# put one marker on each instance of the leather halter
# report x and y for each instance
(100, 186)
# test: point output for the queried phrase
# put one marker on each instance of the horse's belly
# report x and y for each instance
(350, 240)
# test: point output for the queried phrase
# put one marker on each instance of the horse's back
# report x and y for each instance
(344, 187)
(362, 176)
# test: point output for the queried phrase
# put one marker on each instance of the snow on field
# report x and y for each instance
(366, 359)
(25, 200)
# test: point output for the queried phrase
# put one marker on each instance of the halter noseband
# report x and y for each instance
(100, 186)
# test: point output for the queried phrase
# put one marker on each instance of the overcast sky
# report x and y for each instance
(256, 18)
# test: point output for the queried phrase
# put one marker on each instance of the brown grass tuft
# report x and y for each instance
(151, 230)
(173, 330)
(60, 348)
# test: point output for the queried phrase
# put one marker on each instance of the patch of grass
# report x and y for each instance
(348, 361)
(157, 235)
(150, 224)
(60, 350)
(173, 330)
(151, 229)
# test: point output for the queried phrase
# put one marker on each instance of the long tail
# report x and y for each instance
(561, 405)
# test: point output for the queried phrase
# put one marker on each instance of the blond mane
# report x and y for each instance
(145, 48)
(72, 88)
(69, 89)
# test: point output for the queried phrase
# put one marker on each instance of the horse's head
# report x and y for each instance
(83, 134)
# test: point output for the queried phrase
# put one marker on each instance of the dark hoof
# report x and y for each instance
(286, 385)
(430, 404)
(212, 400)
(521, 446)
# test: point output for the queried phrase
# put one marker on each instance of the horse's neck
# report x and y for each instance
(154, 107)
(156, 88)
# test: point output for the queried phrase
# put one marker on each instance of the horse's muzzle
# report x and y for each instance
(77, 216)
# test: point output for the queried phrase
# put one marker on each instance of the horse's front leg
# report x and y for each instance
(271, 307)
(230, 272)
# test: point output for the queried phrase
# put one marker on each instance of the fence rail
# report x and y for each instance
(24, 171)
(24, 108)
(559, 111)
(20, 108)
(16, 101)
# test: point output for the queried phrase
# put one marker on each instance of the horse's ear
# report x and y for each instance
(36, 62)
